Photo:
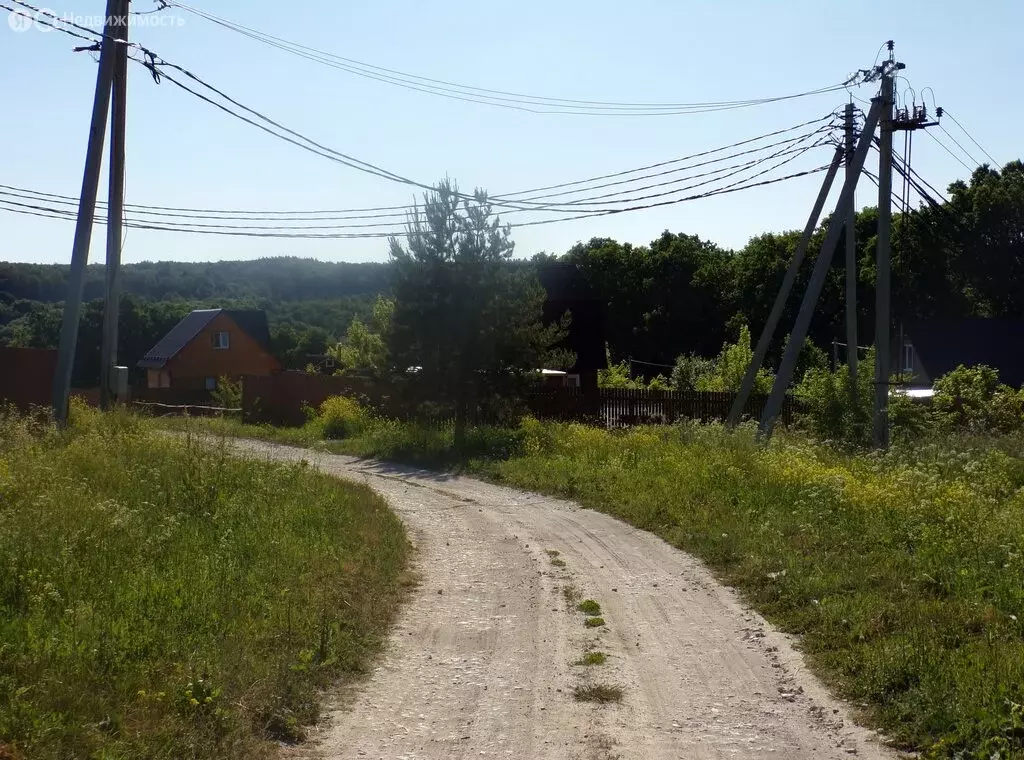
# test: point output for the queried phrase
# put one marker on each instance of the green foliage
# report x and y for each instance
(160, 598)
(228, 393)
(829, 413)
(342, 417)
(594, 622)
(464, 314)
(365, 349)
(592, 658)
(617, 376)
(690, 371)
(589, 606)
(731, 365)
(973, 400)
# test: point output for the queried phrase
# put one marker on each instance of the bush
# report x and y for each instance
(690, 370)
(828, 412)
(972, 400)
(342, 417)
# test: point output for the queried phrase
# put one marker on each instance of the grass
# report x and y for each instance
(161, 599)
(571, 594)
(558, 562)
(903, 573)
(592, 658)
(600, 693)
(594, 622)
(589, 606)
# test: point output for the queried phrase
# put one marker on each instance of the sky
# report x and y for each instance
(183, 152)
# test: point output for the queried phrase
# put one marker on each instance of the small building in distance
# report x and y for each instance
(208, 344)
(568, 291)
(928, 349)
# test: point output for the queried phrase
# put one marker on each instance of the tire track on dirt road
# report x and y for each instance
(479, 663)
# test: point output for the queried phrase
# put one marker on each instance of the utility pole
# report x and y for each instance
(821, 267)
(851, 264)
(86, 217)
(768, 332)
(115, 209)
(882, 263)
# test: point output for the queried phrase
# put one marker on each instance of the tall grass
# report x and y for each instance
(902, 572)
(161, 599)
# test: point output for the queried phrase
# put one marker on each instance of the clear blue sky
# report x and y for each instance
(182, 152)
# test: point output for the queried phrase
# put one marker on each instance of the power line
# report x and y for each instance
(484, 95)
(956, 142)
(790, 146)
(153, 63)
(280, 224)
(950, 152)
(52, 213)
(945, 112)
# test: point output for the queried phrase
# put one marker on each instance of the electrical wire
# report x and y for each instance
(950, 152)
(956, 142)
(278, 224)
(789, 146)
(51, 213)
(484, 95)
(153, 63)
(945, 112)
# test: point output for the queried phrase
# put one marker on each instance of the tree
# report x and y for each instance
(365, 346)
(464, 316)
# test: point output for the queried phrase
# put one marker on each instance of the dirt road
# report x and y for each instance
(480, 663)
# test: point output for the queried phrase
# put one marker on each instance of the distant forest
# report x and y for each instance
(962, 256)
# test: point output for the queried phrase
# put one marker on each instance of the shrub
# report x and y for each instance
(828, 412)
(690, 370)
(343, 417)
(971, 399)
(228, 393)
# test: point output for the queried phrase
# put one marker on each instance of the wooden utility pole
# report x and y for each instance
(851, 263)
(768, 332)
(115, 209)
(821, 267)
(86, 217)
(882, 263)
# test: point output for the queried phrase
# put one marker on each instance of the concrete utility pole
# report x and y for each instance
(882, 264)
(740, 403)
(851, 263)
(821, 267)
(86, 217)
(115, 211)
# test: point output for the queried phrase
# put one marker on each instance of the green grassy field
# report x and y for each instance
(902, 572)
(161, 599)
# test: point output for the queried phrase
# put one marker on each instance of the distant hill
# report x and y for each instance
(274, 279)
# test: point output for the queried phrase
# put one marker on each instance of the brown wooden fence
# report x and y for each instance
(280, 399)
(621, 407)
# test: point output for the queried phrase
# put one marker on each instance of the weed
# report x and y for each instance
(571, 594)
(594, 622)
(558, 562)
(589, 606)
(600, 693)
(159, 597)
(552, 553)
(592, 658)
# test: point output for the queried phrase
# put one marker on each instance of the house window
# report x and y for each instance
(908, 357)
(211, 382)
(572, 381)
(221, 340)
